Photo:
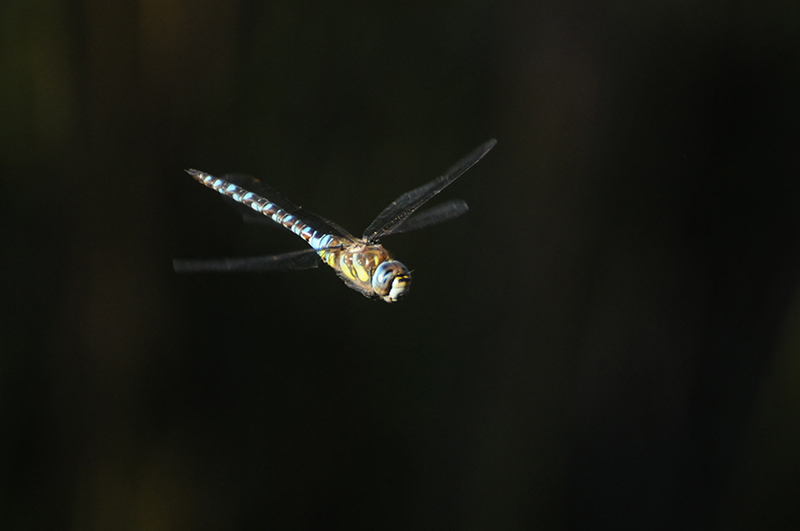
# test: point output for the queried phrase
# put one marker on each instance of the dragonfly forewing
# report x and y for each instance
(394, 215)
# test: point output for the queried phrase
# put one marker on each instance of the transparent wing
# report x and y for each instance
(395, 215)
(433, 216)
(305, 259)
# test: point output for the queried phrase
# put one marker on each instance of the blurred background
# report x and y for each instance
(609, 339)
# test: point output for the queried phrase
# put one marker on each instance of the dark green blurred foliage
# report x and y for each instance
(610, 338)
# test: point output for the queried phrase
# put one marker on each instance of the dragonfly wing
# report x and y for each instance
(393, 217)
(433, 216)
(296, 260)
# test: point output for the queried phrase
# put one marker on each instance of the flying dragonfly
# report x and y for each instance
(362, 263)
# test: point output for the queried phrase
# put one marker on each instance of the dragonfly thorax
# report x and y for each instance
(368, 268)
(391, 281)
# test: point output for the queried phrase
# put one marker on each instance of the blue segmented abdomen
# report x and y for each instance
(319, 241)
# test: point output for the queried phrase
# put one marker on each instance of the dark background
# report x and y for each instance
(610, 339)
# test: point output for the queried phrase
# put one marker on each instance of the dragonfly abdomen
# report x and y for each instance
(314, 238)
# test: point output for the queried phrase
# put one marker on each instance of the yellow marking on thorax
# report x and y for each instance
(356, 263)
(360, 268)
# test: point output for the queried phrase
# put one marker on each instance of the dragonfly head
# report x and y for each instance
(391, 280)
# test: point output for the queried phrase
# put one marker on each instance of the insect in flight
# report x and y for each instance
(362, 263)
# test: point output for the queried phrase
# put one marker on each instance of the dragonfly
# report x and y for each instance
(362, 263)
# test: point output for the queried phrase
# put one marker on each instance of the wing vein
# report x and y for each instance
(393, 216)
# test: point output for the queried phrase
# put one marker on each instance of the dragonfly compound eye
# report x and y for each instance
(391, 280)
